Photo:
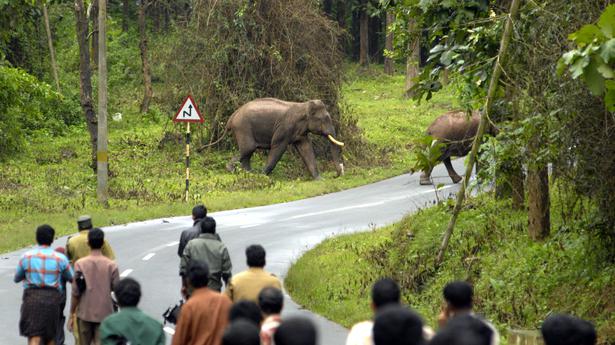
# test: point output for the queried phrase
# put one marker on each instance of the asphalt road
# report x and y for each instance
(147, 251)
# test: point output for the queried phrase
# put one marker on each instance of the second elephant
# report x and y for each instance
(456, 130)
(273, 124)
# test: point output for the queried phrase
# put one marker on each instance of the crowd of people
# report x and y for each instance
(104, 308)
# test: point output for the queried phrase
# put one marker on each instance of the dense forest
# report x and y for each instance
(552, 96)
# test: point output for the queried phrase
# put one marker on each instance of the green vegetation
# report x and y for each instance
(51, 182)
(518, 281)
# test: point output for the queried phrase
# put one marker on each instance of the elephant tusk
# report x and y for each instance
(338, 143)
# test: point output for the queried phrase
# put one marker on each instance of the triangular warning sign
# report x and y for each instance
(188, 112)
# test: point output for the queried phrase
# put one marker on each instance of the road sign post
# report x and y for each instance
(188, 113)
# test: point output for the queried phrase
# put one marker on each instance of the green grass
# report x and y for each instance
(518, 282)
(51, 182)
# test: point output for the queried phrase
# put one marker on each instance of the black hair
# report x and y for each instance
(397, 325)
(247, 310)
(198, 273)
(464, 330)
(96, 238)
(255, 255)
(385, 291)
(459, 294)
(44, 235)
(241, 332)
(127, 292)
(271, 300)
(199, 211)
(295, 331)
(208, 225)
(562, 329)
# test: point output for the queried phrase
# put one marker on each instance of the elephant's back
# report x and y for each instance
(454, 126)
(258, 110)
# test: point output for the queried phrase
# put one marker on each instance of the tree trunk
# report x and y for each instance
(52, 53)
(364, 39)
(493, 85)
(102, 154)
(125, 14)
(147, 78)
(389, 65)
(94, 18)
(517, 178)
(85, 80)
(327, 7)
(539, 220)
(341, 13)
(412, 63)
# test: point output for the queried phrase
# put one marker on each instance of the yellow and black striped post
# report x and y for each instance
(187, 159)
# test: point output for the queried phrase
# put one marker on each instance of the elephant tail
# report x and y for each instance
(203, 147)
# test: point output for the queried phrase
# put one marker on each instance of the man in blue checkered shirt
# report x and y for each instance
(42, 269)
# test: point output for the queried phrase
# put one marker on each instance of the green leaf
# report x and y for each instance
(593, 78)
(586, 35)
(606, 71)
(607, 21)
(578, 67)
(569, 57)
(607, 51)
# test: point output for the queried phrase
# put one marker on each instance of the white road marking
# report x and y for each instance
(172, 244)
(366, 205)
(169, 330)
(148, 256)
(126, 273)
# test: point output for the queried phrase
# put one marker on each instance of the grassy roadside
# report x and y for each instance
(518, 282)
(51, 182)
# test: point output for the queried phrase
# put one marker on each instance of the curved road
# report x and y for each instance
(147, 250)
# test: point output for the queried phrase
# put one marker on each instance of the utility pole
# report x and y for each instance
(102, 154)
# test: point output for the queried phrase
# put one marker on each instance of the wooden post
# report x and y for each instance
(102, 154)
(493, 83)
(187, 160)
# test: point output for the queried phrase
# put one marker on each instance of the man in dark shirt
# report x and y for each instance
(199, 212)
(130, 324)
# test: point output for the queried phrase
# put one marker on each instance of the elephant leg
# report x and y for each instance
(306, 151)
(245, 159)
(451, 172)
(230, 166)
(425, 178)
(275, 153)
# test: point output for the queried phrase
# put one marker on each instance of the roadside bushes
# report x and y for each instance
(28, 105)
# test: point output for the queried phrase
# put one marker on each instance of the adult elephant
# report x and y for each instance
(456, 130)
(273, 124)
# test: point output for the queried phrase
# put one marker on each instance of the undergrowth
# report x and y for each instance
(518, 282)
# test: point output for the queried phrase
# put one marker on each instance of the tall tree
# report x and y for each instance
(539, 220)
(125, 14)
(147, 78)
(340, 11)
(102, 154)
(85, 73)
(363, 35)
(493, 85)
(52, 53)
(414, 57)
(389, 65)
(93, 13)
